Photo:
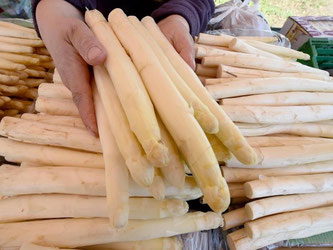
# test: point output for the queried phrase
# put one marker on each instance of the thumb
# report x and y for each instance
(89, 48)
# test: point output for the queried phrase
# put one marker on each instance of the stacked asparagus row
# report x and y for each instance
(24, 64)
(62, 184)
(285, 110)
(153, 115)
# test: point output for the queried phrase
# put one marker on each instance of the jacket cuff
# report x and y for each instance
(197, 13)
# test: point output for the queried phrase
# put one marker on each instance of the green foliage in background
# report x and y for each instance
(277, 11)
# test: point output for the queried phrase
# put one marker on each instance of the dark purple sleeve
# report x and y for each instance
(79, 4)
(196, 12)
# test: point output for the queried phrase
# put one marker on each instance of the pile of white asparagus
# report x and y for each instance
(285, 110)
(24, 64)
(153, 114)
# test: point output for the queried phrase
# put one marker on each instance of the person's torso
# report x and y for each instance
(139, 8)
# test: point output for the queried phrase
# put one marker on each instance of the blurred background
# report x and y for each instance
(277, 11)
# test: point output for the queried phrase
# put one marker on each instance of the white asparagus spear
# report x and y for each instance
(281, 204)
(116, 173)
(43, 58)
(222, 154)
(199, 45)
(304, 129)
(18, 104)
(55, 106)
(174, 173)
(250, 174)
(70, 121)
(236, 190)
(172, 243)
(292, 221)
(258, 62)
(220, 40)
(282, 185)
(9, 65)
(270, 39)
(14, 26)
(157, 188)
(48, 65)
(38, 73)
(18, 152)
(17, 58)
(97, 231)
(20, 74)
(229, 71)
(11, 112)
(279, 114)
(235, 218)
(282, 99)
(276, 141)
(54, 91)
(49, 134)
(132, 95)
(139, 167)
(278, 50)
(239, 240)
(228, 133)
(10, 80)
(212, 81)
(13, 90)
(31, 93)
(172, 108)
(268, 85)
(14, 48)
(206, 119)
(205, 71)
(202, 50)
(76, 180)
(43, 51)
(30, 246)
(20, 41)
(242, 46)
(52, 206)
(284, 156)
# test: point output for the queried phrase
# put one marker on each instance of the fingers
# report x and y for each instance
(76, 76)
(72, 46)
(176, 30)
(90, 49)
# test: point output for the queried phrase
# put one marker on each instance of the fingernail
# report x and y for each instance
(94, 52)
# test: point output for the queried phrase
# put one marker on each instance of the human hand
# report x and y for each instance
(177, 31)
(73, 47)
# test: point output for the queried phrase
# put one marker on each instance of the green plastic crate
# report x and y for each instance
(321, 52)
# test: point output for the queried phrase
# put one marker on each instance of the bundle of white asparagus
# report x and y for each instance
(24, 65)
(285, 109)
(154, 119)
